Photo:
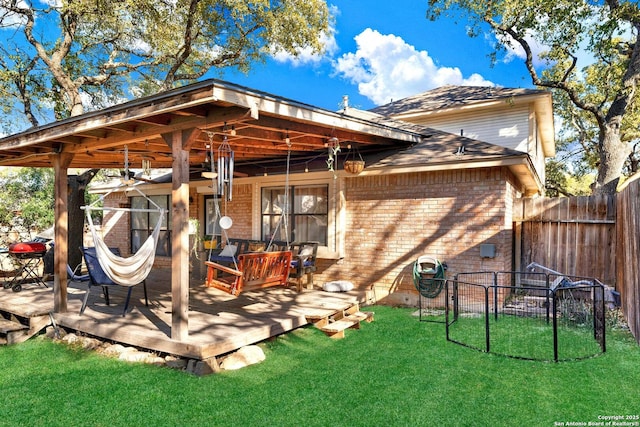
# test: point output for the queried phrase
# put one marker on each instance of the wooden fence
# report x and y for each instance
(575, 236)
(627, 253)
(595, 236)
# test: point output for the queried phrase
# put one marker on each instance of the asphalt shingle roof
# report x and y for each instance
(449, 97)
(439, 147)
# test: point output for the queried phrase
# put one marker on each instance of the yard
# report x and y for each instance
(395, 371)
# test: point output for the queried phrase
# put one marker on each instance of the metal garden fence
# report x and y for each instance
(534, 316)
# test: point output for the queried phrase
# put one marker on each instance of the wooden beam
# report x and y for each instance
(133, 110)
(362, 133)
(189, 136)
(179, 237)
(60, 163)
(217, 116)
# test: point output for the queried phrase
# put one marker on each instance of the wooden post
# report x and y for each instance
(60, 253)
(179, 237)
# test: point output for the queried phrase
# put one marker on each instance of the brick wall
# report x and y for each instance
(393, 219)
(115, 227)
(239, 209)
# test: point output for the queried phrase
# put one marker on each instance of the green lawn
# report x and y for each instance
(395, 371)
(526, 337)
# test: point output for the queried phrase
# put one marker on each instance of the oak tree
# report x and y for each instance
(590, 59)
(61, 57)
(70, 54)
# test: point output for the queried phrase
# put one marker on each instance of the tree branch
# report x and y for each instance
(550, 186)
(536, 80)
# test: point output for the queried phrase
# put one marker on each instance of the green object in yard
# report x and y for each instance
(428, 276)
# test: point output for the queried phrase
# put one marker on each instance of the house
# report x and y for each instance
(520, 119)
(425, 189)
(446, 196)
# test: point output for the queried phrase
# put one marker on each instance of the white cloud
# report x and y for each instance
(515, 50)
(53, 3)
(306, 55)
(386, 68)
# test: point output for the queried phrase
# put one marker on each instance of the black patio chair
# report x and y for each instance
(97, 277)
(74, 275)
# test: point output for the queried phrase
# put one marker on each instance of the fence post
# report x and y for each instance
(555, 323)
(547, 286)
(486, 318)
(495, 294)
(446, 308)
(455, 299)
(599, 316)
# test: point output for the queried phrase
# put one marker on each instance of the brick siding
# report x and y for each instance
(394, 219)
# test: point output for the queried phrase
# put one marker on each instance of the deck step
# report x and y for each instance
(9, 330)
(351, 321)
(7, 326)
(320, 320)
(16, 331)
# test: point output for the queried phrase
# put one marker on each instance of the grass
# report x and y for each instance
(526, 337)
(395, 371)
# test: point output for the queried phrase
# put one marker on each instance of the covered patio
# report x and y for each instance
(171, 130)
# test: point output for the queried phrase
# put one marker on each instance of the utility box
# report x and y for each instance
(488, 250)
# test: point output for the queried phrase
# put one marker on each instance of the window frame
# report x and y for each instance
(293, 217)
(144, 233)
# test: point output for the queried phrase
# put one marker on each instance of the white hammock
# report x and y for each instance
(131, 270)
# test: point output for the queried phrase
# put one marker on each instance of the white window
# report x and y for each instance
(142, 223)
(307, 213)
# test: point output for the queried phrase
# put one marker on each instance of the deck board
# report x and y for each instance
(218, 323)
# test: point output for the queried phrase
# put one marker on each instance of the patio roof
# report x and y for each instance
(256, 124)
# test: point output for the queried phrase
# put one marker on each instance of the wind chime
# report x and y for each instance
(225, 167)
(224, 171)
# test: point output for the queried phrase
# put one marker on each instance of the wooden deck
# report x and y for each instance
(218, 323)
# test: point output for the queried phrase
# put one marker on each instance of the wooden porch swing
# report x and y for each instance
(252, 270)
(255, 270)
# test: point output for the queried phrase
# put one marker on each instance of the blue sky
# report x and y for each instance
(379, 51)
(383, 51)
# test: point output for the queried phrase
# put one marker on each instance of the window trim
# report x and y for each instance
(336, 213)
(150, 226)
(293, 215)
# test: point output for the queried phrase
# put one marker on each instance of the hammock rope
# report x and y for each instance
(126, 271)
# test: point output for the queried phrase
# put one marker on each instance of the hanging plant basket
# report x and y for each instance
(354, 167)
(353, 163)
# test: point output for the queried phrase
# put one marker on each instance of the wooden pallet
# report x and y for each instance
(9, 330)
(334, 324)
(14, 331)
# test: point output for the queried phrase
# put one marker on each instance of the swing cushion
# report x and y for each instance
(228, 251)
